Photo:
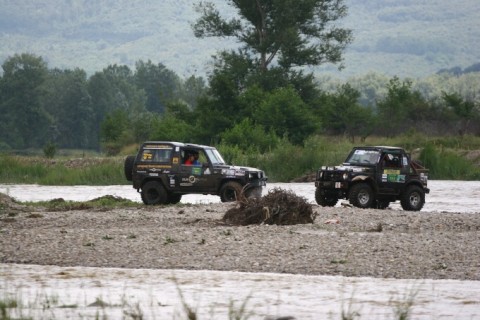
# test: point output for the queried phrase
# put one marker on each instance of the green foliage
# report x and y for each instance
(24, 122)
(464, 109)
(273, 31)
(160, 84)
(248, 136)
(341, 113)
(68, 102)
(288, 161)
(169, 128)
(65, 107)
(284, 113)
(247, 84)
(49, 150)
(447, 164)
(400, 107)
(47, 172)
(284, 163)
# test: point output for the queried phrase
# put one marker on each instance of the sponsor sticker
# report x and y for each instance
(197, 171)
(153, 166)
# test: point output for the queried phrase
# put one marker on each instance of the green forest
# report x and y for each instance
(118, 106)
(259, 102)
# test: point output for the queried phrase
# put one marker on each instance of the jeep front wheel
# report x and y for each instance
(413, 199)
(323, 200)
(230, 191)
(361, 196)
(154, 193)
(174, 198)
(255, 192)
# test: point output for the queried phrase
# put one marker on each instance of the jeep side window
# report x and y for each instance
(214, 156)
(163, 155)
(191, 157)
(156, 155)
(392, 160)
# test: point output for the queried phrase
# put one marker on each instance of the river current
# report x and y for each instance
(444, 196)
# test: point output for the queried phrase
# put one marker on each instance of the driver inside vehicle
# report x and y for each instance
(391, 161)
(196, 162)
(190, 160)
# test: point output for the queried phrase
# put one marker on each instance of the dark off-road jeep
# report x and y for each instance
(164, 171)
(373, 177)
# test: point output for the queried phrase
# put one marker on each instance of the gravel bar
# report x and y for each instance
(342, 241)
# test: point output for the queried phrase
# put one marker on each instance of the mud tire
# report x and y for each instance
(154, 193)
(361, 196)
(128, 167)
(230, 191)
(174, 198)
(324, 201)
(255, 192)
(413, 199)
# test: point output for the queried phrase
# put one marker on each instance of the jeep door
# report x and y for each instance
(393, 172)
(195, 178)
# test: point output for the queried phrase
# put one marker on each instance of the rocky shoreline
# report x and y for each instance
(341, 241)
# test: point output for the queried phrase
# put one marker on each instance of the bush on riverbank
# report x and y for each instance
(447, 158)
(86, 171)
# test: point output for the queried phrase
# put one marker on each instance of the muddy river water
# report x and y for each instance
(51, 292)
(445, 195)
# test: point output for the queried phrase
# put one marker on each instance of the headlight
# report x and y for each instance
(345, 176)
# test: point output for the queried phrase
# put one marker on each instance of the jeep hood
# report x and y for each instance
(236, 168)
(347, 167)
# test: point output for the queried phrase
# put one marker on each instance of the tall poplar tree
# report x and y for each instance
(290, 33)
(277, 38)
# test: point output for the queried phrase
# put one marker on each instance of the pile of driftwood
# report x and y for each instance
(279, 207)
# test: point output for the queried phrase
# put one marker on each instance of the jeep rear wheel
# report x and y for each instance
(361, 196)
(323, 200)
(128, 167)
(230, 191)
(413, 199)
(154, 193)
(174, 198)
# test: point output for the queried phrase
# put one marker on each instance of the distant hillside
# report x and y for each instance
(393, 37)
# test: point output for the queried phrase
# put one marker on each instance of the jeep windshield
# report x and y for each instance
(363, 157)
(214, 156)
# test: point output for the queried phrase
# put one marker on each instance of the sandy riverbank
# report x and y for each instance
(342, 241)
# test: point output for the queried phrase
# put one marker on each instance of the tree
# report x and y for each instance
(249, 136)
(114, 131)
(401, 108)
(69, 103)
(277, 38)
(342, 113)
(23, 122)
(284, 113)
(192, 88)
(114, 89)
(290, 33)
(463, 109)
(161, 85)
